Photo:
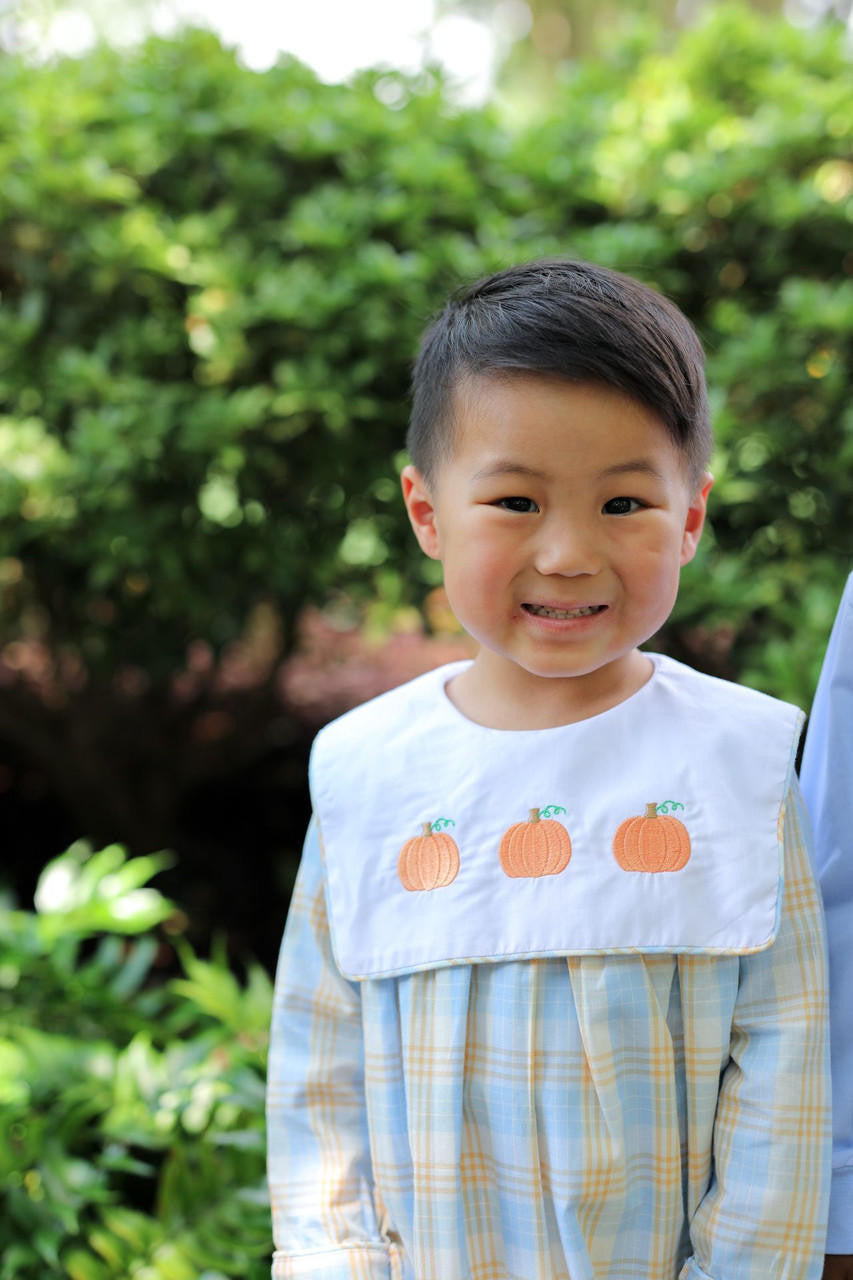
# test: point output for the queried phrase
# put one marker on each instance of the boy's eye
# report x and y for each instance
(523, 505)
(621, 506)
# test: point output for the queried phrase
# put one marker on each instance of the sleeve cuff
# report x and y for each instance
(839, 1236)
(346, 1262)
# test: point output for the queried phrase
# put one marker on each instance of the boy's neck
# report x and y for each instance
(501, 695)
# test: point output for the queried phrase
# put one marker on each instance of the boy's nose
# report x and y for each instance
(567, 549)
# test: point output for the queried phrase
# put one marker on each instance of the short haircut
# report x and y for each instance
(569, 319)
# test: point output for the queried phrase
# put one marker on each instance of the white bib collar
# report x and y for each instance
(657, 826)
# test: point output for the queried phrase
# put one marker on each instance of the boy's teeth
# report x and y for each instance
(544, 612)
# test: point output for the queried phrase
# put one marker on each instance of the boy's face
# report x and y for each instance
(562, 519)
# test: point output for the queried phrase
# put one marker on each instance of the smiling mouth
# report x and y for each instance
(544, 611)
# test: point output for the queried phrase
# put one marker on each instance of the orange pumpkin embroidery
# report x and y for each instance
(430, 860)
(653, 842)
(538, 847)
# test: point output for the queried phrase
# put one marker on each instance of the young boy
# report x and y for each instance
(551, 1001)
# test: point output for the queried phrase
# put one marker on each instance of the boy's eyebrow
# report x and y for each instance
(636, 464)
(505, 466)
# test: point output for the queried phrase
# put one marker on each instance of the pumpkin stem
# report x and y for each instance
(651, 811)
(426, 829)
(533, 815)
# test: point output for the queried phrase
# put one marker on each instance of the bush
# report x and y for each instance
(131, 1107)
(214, 279)
(212, 282)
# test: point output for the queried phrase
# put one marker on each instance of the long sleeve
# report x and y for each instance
(827, 780)
(764, 1214)
(325, 1221)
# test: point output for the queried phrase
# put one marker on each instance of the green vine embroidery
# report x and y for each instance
(441, 824)
(667, 806)
(551, 809)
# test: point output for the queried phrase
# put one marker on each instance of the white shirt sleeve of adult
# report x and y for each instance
(827, 784)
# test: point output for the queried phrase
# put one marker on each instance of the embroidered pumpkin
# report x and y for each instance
(430, 860)
(653, 842)
(538, 847)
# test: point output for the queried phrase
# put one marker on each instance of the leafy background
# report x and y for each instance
(212, 281)
(131, 1105)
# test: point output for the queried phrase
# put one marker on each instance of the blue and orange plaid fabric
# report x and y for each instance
(639, 1117)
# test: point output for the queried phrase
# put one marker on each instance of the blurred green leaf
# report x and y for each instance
(119, 1091)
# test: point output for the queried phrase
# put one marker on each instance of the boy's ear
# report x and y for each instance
(421, 509)
(695, 519)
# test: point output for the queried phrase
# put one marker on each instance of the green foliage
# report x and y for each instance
(131, 1106)
(213, 282)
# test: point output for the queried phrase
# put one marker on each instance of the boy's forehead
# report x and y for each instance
(508, 421)
(501, 402)
(505, 389)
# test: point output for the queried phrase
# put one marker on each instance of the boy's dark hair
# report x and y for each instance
(571, 319)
